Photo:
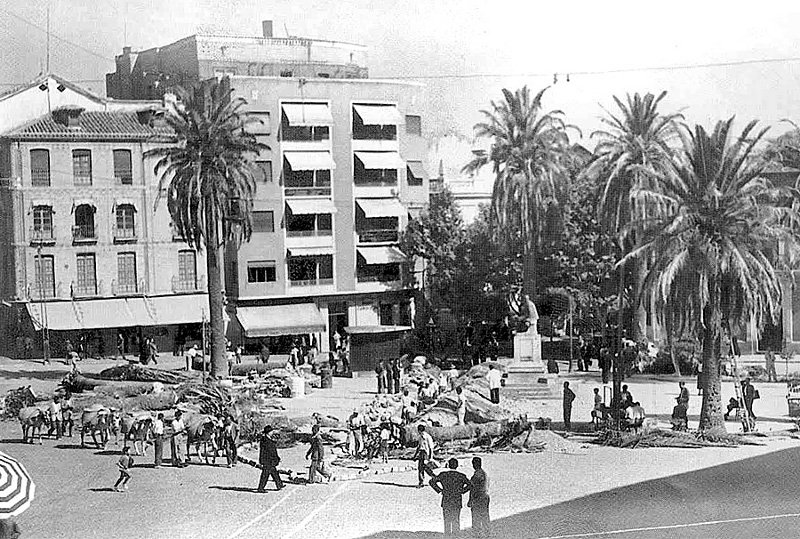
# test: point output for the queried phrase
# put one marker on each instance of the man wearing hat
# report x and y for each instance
(268, 459)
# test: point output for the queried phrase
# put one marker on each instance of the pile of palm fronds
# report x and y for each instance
(669, 438)
(208, 399)
(140, 373)
(16, 400)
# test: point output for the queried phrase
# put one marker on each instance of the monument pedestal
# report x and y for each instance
(527, 374)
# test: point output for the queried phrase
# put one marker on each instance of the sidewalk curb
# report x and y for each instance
(340, 477)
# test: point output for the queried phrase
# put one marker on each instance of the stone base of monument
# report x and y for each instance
(527, 375)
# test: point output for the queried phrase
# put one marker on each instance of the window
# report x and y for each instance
(309, 225)
(40, 168)
(263, 171)
(123, 168)
(84, 223)
(45, 276)
(261, 272)
(87, 277)
(263, 221)
(42, 223)
(304, 132)
(414, 173)
(311, 270)
(186, 280)
(374, 177)
(382, 131)
(126, 273)
(386, 314)
(413, 125)
(126, 227)
(82, 167)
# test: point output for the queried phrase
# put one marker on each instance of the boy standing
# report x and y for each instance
(124, 464)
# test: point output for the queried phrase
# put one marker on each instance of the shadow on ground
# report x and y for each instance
(755, 487)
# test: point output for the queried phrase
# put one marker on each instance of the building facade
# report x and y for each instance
(87, 249)
(149, 73)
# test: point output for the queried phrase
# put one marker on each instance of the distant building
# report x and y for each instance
(344, 171)
(149, 73)
(470, 191)
(82, 250)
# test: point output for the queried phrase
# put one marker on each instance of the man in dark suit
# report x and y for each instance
(269, 460)
(479, 499)
(451, 485)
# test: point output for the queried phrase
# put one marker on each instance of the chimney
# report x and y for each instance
(266, 27)
(68, 116)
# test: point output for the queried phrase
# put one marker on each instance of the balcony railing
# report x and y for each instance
(322, 190)
(42, 235)
(308, 233)
(124, 177)
(371, 278)
(368, 182)
(84, 233)
(40, 177)
(378, 236)
(124, 234)
(86, 289)
(311, 282)
(188, 285)
(126, 288)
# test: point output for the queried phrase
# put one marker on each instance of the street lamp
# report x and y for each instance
(432, 337)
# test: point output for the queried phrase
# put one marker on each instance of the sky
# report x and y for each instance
(466, 51)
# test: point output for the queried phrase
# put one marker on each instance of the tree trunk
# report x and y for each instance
(711, 410)
(668, 327)
(219, 363)
(529, 271)
(639, 329)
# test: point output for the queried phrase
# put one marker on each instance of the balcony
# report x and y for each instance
(185, 285)
(308, 233)
(128, 288)
(42, 236)
(378, 236)
(311, 282)
(124, 177)
(310, 191)
(124, 235)
(83, 290)
(84, 234)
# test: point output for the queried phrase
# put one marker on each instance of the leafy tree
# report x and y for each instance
(529, 157)
(717, 223)
(208, 177)
(435, 237)
(639, 139)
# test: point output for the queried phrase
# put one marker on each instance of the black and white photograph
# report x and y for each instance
(399, 269)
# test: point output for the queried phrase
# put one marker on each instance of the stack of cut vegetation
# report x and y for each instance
(140, 373)
(17, 399)
(669, 438)
(208, 399)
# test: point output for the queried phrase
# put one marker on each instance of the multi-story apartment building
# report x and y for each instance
(86, 248)
(149, 73)
(344, 172)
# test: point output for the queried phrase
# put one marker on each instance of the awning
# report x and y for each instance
(310, 160)
(307, 114)
(311, 251)
(41, 202)
(417, 169)
(381, 207)
(125, 201)
(120, 312)
(274, 320)
(311, 207)
(380, 160)
(382, 255)
(375, 330)
(379, 114)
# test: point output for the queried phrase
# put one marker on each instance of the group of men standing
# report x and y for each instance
(388, 373)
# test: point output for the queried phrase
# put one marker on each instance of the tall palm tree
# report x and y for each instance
(208, 178)
(529, 157)
(638, 137)
(712, 248)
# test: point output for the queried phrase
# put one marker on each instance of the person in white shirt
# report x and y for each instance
(423, 454)
(191, 353)
(178, 440)
(158, 439)
(493, 377)
(461, 411)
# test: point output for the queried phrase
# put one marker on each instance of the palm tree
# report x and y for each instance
(639, 137)
(712, 243)
(208, 178)
(529, 157)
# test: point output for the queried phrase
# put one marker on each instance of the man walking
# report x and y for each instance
(317, 454)
(268, 459)
(479, 499)
(569, 396)
(120, 347)
(452, 485)
(493, 377)
(230, 439)
(158, 440)
(749, 393)
(423, 454)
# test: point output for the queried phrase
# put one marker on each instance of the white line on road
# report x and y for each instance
(316, 511)
(260, 517)
(672, 526)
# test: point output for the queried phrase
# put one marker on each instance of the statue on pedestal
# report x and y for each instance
(529, 313)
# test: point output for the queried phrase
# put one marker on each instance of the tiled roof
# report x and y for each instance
(93, 126)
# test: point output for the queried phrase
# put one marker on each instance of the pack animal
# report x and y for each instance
(135, 428)
(99, 420)
(32, 420)
(205, 430)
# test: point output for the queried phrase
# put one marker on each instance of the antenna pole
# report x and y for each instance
(47, 64)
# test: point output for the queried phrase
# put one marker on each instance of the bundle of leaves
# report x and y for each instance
(140, 373)
(670, 438)
(252, 423)
(211, 400)
(16, 400)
